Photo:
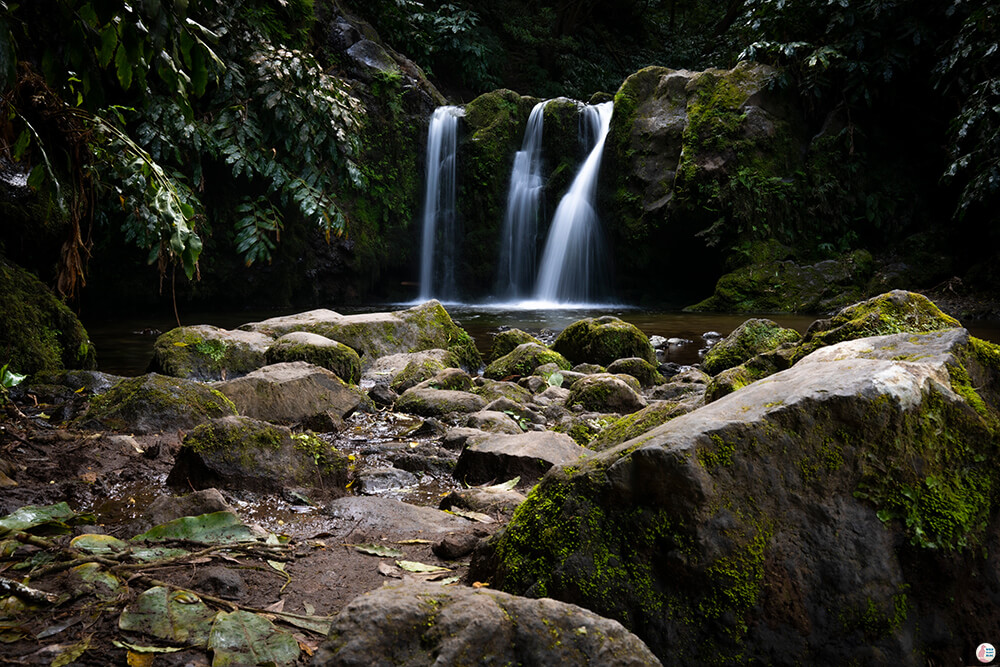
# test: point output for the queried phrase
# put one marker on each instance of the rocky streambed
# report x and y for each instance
(367, 489)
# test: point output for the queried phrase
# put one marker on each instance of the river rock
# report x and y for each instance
(751, 338)
(168, 508)
(204, 352)
(492, 421)
(633, 425)
(602, 340)
(83, 381)
(520, 412)
(504, 343)
(492, 390)
(814, 516)
(424, 366)
(484, 499)
(454, 379)
(421, 624)
(373, 335)
(246, 453)
(361, 516)
(318, 351)
(527, 455)
(293, 392)
(643, 371)
(523, 360)
(429, 402)
(684, 384)
(155, 403)
(379, 480)
(385, 370)
(455, 438)
(604, 392)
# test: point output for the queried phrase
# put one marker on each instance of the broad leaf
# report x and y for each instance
(378, 550)
(51, 518)
(413, 566)
(214, 528)
(176, 616)
(244, 638)
(506, 486)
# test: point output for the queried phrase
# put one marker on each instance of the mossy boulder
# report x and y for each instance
(492, 390)
(417, 366)
(788, 514)
(499, 457)
(633, 425)
(294, 392)
(604, 392)
(583, 427)
(427, 326)
(454, 379)
(155, 403)
(643, 371)
(786, 285)
(319, 351)
(897, 311)
(205, 352)
(38, 332)
(523, 360)
(249, 454)
(505, 341)
(749, 339)
(602, 340)
(428, 402)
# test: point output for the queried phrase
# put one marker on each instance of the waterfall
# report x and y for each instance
(574, 251)
(516, 270)
(439, 243)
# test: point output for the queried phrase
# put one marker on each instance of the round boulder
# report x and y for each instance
(602, 340)
(319, 351)
(604, 392)
(523, 360)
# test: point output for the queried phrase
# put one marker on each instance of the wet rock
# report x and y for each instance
(437, 402)
(399, 623)
(374, 516)
(371, 58)
(168, 508)
(385, 370)
(293, 392)
(83, 381)
(454, 379)
(685, 383)
(424, 366)
(318, 351)
(533, 383)
(643, 371)
(523, 360)
(602, 340)
(204, 352)
(551, 395)
(527, 455)
(492, 390)
(455, 545)
(749, 339)
(455, 438)
(484, 499)
(520, 412)
(382, 396)
(379, 480)
(493, 422)
(245, 453)
(155, 403)
(505, 342)
(373, 335)
(607, 393)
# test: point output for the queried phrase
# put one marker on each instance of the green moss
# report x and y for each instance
(155, 399)
(603, 340)
(720, 454)
(749, 339)
(504, 342)
(336, 357)
(328, 459)
(878, 619)
(523, 360)
(37, 331)
(633, 425)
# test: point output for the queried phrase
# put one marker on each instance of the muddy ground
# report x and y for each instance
(116, 478)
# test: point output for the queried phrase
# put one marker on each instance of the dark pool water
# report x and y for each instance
(125, 344)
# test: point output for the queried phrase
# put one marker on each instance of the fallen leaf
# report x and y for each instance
(145, 649)
(378, 550)
(172, 616)
(472, 516)
(387, 570)
(479, 584)
(505, 486)
(414, 566)
(245, 638)
(72, 653)
(277, 606)
(413, 542)
(449, 580)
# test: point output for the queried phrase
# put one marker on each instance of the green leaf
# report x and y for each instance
(98, 581)
(556, 379)
(244, 638)
(72, 653)
(123, 67)
(93, 543)
(214, 528)
(378, 550)
(506, 486)
(413, 566)
(176, 616)
(135, 648)
(53, 518)
(109, 40)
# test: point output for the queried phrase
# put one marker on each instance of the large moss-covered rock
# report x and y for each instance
(602, 340)
(749, 339)
(504, 342)
(813, 517)
(646, 373)
(319, 351)
(294, 392)
(423, 624)
(372, 335)
(787, 285)
(429, 402)
(604, 392)
(246, 453)
(37, 331)
(155, 403)
(523, 360)
(633, 425)
(204, 352)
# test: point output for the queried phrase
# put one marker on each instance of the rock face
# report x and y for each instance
(203, 352)
(38, 332)
(816, 516)
(245, 453)
(603, 340)
(293, 392)
(155, 403)
(373, 335)
(426, 624)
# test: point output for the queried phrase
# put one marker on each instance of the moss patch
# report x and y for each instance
(523, 360)
(749, 339)
(603, 340)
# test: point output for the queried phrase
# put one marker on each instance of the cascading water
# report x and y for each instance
(439, 243)
(516, 270)
(573, 257)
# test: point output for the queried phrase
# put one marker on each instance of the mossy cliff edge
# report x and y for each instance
(817, 516)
